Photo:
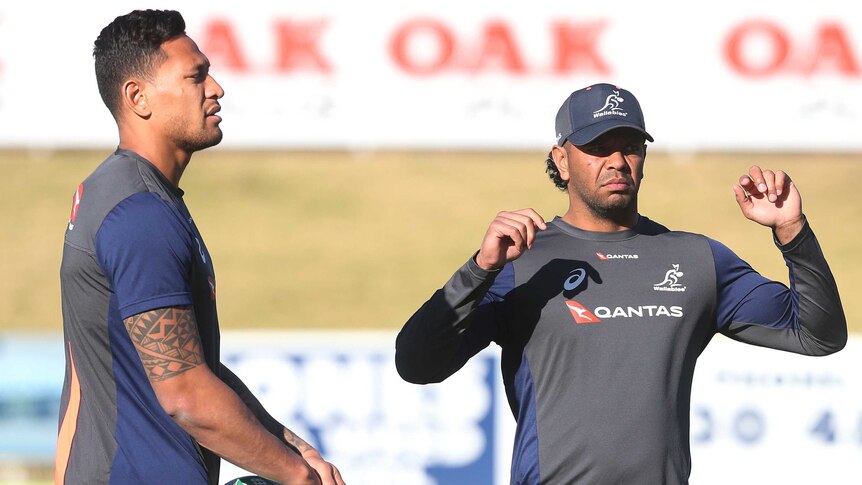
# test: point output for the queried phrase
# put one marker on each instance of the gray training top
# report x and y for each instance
(600, 333)
(130, 247)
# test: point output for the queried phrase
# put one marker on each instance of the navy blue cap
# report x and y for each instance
(595, 110)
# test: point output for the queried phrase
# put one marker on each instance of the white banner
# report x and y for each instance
(341, 392)
(732, 75)
(764, 416)
(757, 415)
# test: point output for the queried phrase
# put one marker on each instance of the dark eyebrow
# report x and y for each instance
(201, 67)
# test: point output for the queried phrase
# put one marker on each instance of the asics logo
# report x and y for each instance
(576, 277)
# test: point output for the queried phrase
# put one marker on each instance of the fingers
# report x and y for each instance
(331, 476)
(765, 183)
(337, 475)
(534, 216)
(323, 471)
(781, 183)
(524, 223)
(520, 226)
(770, 198)
(508, 236)
(741, 195)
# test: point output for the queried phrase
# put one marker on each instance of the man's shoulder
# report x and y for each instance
(116, 179)
(648, 227)
(119, 172)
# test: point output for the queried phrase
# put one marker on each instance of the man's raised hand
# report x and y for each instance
(508, 237)
(771, 199)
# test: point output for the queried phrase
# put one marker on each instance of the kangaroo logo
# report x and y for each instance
(671, 280)
(612, 105)
(672, 276)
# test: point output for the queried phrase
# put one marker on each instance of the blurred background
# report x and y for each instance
(367, 146)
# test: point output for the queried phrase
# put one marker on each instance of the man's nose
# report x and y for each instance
(616, 159)
(214, 88)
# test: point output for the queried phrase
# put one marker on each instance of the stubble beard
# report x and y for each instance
(615, 207)
(201, 142)
(191, 140)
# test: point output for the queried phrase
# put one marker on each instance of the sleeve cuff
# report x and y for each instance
(165, 301)
(478, 271)
(796, 242)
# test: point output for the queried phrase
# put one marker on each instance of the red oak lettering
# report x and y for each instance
(575, 48)
(418, 30)
(834, 50)
(220, 43)
(744, 35)
(829, 51)
(426, 46)
(297, 46)
(498, 48)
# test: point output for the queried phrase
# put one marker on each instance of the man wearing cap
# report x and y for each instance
(601, 313)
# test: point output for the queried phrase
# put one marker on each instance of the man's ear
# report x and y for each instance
(561, 160)
(643, 164)
(134, 98)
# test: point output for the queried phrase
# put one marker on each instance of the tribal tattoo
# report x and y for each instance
(296, 442)
(167, 341)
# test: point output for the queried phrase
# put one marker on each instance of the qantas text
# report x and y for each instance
(639, 311)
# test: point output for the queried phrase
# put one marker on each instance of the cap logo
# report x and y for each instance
(611, 107)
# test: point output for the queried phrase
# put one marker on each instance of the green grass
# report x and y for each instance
(361, 239)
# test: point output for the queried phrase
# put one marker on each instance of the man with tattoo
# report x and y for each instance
(145, 398)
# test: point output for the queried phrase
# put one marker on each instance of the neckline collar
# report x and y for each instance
(167, 183)
(571, 230)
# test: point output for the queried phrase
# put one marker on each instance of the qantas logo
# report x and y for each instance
(606, 257)
(639, 311)
(582, 314)
(76, 202)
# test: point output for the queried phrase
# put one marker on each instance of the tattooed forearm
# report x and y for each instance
(296, 442)
(167, 341)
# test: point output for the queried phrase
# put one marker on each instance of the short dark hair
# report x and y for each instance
(554, 173)
(131, 46)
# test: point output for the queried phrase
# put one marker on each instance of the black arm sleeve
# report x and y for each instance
(807, 318)
(451, 327)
